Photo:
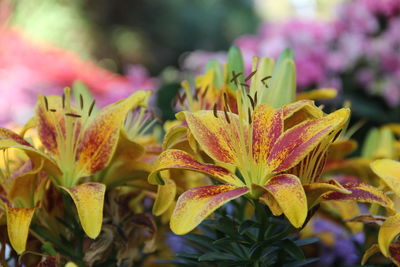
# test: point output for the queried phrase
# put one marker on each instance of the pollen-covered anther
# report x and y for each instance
(81, 101)
(226, 115)
(249, 115)
(251, 101)
(235, 77)
(196, 93)
(264, 80)
(250, 75)
(73, 115)
(91, 107)
(205, 92)
(46, 103)
(215, 111)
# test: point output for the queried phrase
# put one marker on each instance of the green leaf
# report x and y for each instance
(213, 256)
(300, 263)
(200, 240)
(306, 241)
(49, 249)
(235, 64)
(291, 249)
(246, 225)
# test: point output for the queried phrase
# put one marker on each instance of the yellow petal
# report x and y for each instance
(289, 194)
(195, 205)
(388, 231)
(165, 197)
(177, 159)
(389, 171)
(89, 202)
(323, 93)
(316, 191)
(101, 137)
(217, 136)
(18, 221)
(371, 251)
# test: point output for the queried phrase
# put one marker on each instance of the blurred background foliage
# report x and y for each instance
(160, 34)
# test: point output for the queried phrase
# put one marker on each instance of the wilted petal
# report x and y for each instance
(395, 253)
(18, 221)
(267, 128)
(298, 141)
(89, 202)
(177, 159)
(195, 205)
(289, 194)
(219, 138)
(361, 192)
(165, 196)
(389, 171)
(101, 137)
(387, 232)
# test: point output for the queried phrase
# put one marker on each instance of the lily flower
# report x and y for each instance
(21, 189)
(389, 171)
(78, 144)
(252, 158)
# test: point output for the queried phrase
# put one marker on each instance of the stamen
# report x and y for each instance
(249, 113)
(205, 92)
(63, 101)
(196, 92)
(245, 85)
(46, 103)
(215, 111)
(181, 98)
(250, 75)
(91, 108)
(235, 77)
(81, 101)
(251, 101)
(256, 98)
(53, 110)
(264, 80)
(226, 116)
(73, 115)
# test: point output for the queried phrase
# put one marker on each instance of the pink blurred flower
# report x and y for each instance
(28, 68)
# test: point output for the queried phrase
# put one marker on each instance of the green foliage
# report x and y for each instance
(228, 240)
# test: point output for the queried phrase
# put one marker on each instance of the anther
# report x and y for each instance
(250, 75)
(73, 115)
(196, 92)
(251, 101)
(249, 113)
(91, 108)
(81, 101)
(215, 111)
(46, 103)
(256, 98)
(245, 85)
(205, 92)
(63, 101)
(53, 110)
(181, 98)
(235, 77)
(264, 80)
(226, 116)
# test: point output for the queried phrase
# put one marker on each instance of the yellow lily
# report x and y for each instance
(21, 188)
(254, 156)
(389, 171)
(78, 144)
